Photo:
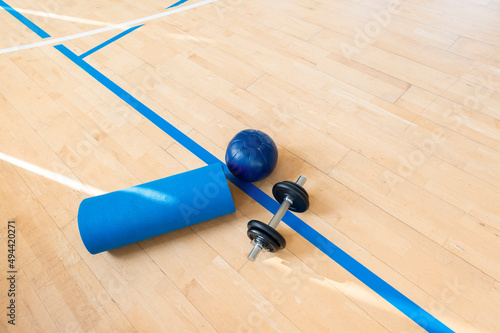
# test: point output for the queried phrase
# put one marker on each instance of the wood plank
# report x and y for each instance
(396, 128)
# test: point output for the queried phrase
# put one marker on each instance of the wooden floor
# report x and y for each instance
(391, 109)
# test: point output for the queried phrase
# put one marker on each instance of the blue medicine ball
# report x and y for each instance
(251, 155)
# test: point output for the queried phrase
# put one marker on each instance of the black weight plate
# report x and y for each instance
(296, 192)
(259, 236)
(271, 238)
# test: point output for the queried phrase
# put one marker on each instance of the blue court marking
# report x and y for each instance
(177, 4)
(32, 26)
(389, 293)
(109, 41)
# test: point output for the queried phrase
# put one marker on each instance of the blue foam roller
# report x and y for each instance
(127, 216)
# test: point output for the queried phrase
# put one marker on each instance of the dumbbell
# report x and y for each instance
(291, 196)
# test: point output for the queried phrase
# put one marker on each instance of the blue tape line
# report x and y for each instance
(109, 41)
(389, 293)
(177, 4)
(32, 26)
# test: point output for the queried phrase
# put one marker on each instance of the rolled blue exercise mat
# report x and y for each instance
(127, 216)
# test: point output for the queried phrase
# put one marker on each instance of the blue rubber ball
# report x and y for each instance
(251, 155)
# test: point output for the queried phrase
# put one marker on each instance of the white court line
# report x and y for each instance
(98, 31)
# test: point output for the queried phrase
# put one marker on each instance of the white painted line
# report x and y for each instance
(98, 31)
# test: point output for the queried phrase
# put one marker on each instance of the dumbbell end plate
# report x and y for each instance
(270, 239)
(295, 192)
